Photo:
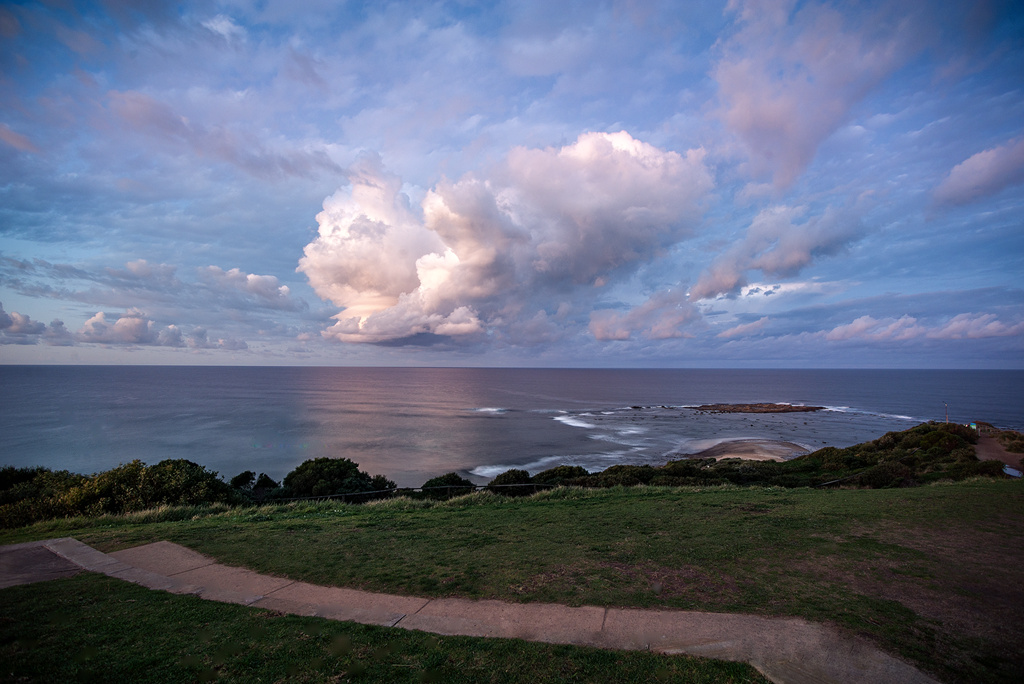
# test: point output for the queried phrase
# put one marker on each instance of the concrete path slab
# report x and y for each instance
(163, 557)
(336, 603)
(32, 562)
(786, 650)
(549, 623)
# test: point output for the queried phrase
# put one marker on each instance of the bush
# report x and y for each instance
(556, 476)
(243, 480)
(264, 482)
(330, 477)
(453, 484)
(179, 482)
(887, 474)
(501, 483)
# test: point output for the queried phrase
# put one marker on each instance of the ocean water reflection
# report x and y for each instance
(412, 424)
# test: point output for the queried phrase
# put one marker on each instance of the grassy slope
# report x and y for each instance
(94, 628)
(932, 573)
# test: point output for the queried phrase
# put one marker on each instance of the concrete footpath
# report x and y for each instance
(786, 650)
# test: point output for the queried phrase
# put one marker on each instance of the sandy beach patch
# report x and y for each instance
(752, 450)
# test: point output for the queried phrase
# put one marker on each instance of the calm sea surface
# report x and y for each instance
(413, 424)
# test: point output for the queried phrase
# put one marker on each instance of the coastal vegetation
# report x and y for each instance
(927, 453)
(897, 540)
(1012, 441)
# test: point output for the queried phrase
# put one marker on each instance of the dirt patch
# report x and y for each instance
(967, 585)
(989, 449)
(563, 575)
(686, 581)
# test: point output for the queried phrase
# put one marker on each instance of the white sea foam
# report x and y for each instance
(574, 422)
(490, 410)
(592, 462)
(894, 416)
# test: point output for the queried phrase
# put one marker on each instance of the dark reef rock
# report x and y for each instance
(757, 408)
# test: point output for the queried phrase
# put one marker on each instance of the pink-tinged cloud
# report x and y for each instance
(789, 78)
(983, 174)
(975, 326)
(745, 329)
(135, 328)
(155, 119)
(18, 328)
(778, 246)
(665, 315)
(962, 326)
(489, 254)
(9, 24)
(875, 330)
(131, 328)
(267, 290)
(16, 140)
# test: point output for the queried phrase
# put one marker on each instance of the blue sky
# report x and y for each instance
(741, 184)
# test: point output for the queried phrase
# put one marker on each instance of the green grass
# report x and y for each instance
(94, 628)
(934, 574)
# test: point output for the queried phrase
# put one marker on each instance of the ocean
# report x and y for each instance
(411, 424)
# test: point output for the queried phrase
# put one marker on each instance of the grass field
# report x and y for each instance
(934, 574)
(94, 628)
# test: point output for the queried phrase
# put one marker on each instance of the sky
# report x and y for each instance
(596, 184)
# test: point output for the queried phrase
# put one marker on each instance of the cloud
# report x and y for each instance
(983, 174)
(225, 27)
(789, 77)
(962, 326)
(975, 326)
(745, 329)
(16, 140)
(9, 24)
(547, 225)
(778, 247)
(198, 339)
(131, 328)
(156, 119)
(663, 316)
(135, 328)
(141, 271)
(266, 289)
(868, 328)
(18, 328)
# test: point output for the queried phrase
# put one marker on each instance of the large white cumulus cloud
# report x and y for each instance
(547, 228)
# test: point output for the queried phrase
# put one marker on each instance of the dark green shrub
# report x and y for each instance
(1012, 441)
(506, 483)
(11, 477)
(446, 486)
(329, 477)
(264, 482)
(885, 475)
(182, 482)
(380, 483)
(243, 480)
(558, 475)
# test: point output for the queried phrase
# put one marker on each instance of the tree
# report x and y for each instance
(330, 476)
